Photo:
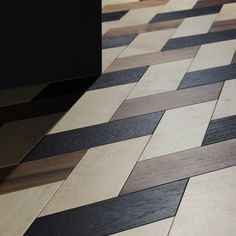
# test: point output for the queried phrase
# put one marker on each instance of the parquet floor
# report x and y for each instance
(149, 149)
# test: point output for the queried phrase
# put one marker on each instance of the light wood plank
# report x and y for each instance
(19, 209)
(94, 107)
(194, 25)
(109, 55)
(214, 55)
(228, 12)
(99, 175)
(180, 129)
(177, 5)
(208, 206)
(226, 105)
(159, 228)
(147, 43)
(112, 2)
(161, 78)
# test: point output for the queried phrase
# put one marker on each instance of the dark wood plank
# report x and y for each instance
(114, 215)
(165, 169)
(199, 39)
(113, 16)
(169, 100)
(234, 58)
(137, 29)
(152, 58)
(207, 3)
(35, 173)
(19, 137)
(208, 76)
(223, 25)
(84, 138)
(220, 130)
(185, 13)
(119, 78)
(117, 41)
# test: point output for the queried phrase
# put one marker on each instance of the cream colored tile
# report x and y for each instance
(213, 55)
(99, 175)
(147, 43)
(106, 26)
(208, 207)
(180, 129)
(19, 209)
(194, 25)
(177, 5)
(109, 55)
(227, 12)
(94, 107)
(226, 105)
(19, 95)
(161, 78)
(159, 228)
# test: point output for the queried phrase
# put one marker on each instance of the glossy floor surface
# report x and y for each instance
(149, 149)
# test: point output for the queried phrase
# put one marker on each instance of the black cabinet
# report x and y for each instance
(44, 41)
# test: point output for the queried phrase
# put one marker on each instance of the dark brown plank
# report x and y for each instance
(210, 3)
(137, 29)
(39, 172)
(153, 58)
(181, 165)
(223, 25)
(169, 100)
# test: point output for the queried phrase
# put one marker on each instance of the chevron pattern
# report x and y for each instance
(149, 148)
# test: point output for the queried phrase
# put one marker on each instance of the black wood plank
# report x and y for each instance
(119, 78)
(208, 76)
(220, 130)
(96, 135)
(117, 41)
(114, 215)
(185, 13)
(111, 16)
(199, 39)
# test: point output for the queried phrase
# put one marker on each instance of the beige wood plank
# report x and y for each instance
(208, 206)
(99, 175)
(19, 95)
(194, 25)
(111, 2)
(228, 12)
(19, 209)
(94, 107)
(147, 43)
(226, 105)
(159, 228)
(109, 55)
(213, 55)
(180, 129)
(177, 5)
(161, 78)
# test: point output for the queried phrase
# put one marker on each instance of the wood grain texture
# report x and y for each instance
(185, 164)
(19, 95)
(194, 25)
(114, 215)
(119, 78)
(94, 107)
(176, 5)
(227, 12)
(207, 206)
(220, 130)
(100, 175)
(152, 59)
(39, 172)
(208, 76)
(185, 13)
(214, 55)
(22, 207)
(223, 25)
(137, 29)
(113, 16)
(190, 41)
(18, 138)
(160, 78)
(180, 129)
(159, 228)
(97, 135)
(147, 43)
(226, 105)
(166, 101)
